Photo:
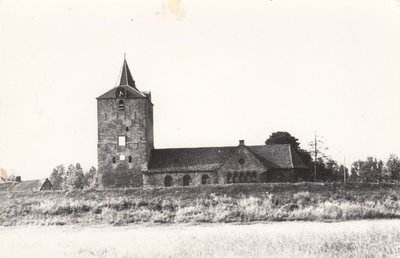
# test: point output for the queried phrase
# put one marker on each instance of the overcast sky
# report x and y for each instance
(219, 71)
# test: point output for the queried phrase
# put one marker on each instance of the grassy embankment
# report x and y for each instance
(210, 204)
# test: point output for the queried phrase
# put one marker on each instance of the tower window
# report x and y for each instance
(130, 159)
(122, 157)
(121, 140)
(127, 129)
(113, 160)
(121, 105)
(229, 178)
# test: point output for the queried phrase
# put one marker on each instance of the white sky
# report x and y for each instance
(219, 71)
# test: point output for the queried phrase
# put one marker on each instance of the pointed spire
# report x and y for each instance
(126, 76)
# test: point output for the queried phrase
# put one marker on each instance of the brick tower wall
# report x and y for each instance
(135, 122)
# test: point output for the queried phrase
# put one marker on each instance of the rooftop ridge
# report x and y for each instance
(216, 147)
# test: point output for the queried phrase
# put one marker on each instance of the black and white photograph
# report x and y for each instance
(183, 128)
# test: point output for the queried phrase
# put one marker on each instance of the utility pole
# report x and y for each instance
(315, 156)
(344, 170)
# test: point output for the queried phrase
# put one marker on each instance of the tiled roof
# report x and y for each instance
(282, 155)
(4, 186)
(210, 159)
(188, 159)
(296, 160)
(30, 185)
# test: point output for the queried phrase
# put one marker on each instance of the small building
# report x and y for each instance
(4, 186)
(25, 186)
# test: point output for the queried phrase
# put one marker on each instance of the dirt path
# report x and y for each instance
(287, 239)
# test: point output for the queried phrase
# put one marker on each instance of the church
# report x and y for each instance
(126, 143)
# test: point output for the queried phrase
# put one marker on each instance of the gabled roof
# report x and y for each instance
(4, 186)
(211, 159)
(30, 185)
(252, 161)
(282, 155)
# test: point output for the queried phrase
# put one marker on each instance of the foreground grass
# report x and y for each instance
(207, 204)
(354, 239)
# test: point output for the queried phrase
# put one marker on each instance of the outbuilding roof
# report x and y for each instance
(211, 158)
(4, 186)
(29, 185)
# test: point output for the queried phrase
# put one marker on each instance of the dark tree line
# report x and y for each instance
(328, 170)
(74, 177)
(374, 170)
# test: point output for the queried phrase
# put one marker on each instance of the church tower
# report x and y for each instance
(125, 132)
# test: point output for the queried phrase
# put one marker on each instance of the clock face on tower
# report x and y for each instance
(120, 93)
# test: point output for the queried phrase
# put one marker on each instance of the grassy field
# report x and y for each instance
(379, 238)
(241, 203)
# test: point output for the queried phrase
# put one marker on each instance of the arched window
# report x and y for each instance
(168, 181)
(114, 160)
(205, 180)
(248, 177)
(121, 105)
(235, 178)
(241, 178)
(187, 180)
(130, 159)
(254, 177)
(127, 129)
(229, 178)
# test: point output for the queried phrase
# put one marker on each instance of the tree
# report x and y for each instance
(74, 177)
(287, 138)
(336, 171)
(68, 180)
(57, 176)
(283, 138)
(370, 170)
(393, 167)
(91, 178)
(353, 177)
(78, 177)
